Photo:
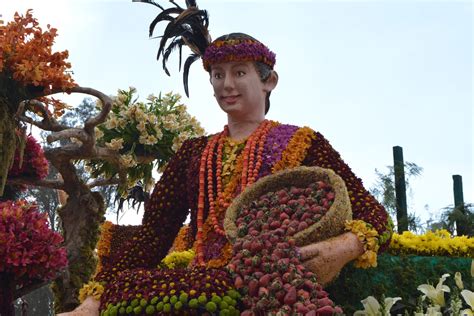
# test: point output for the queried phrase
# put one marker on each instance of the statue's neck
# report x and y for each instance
(239, 130)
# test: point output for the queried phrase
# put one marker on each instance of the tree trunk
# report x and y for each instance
(80, 217)
(8, 142)
(7, 290)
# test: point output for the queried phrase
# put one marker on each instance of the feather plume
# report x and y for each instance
(188, 27)
(191, 59)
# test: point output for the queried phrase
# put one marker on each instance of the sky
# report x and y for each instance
(368, 75)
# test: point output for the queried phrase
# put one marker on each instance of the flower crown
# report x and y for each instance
(237, 50)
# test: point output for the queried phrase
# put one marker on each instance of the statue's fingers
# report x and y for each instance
(309, 251)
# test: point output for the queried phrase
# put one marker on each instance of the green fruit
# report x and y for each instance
(143, 302)
(202, 299)
(167, 308)
(233, 311)
(173, 299)
(166, 299)
(135, 302)
(106, 313)
(178, 305)
(122, 310)
(211, 307)
(159, 306)
(233, 294)
(124, 303)
(154, 300)
(183, 298)
(216, 299)
(150, 309)
(109, 306)
(129, 309)
(228, 300)
(224, 312)
(223, 305)
(193, 303)
(113, 311)
(137, 310)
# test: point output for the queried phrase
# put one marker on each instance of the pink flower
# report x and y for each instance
(29, 248)
(34, 163)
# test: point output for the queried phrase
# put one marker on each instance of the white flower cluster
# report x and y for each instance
(434, 296)
(154, 128)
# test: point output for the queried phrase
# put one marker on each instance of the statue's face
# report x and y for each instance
(238, 89)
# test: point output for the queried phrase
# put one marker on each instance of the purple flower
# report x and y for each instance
(275, 144)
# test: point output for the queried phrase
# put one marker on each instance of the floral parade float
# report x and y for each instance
(137, 274)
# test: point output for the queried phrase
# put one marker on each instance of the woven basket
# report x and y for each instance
(330, 225)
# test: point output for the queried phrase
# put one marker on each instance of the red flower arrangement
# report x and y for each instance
(29, 250)
(28, 247)
(34, 162)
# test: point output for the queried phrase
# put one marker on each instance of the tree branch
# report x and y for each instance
(48, 123)
(68, 134)
(52, 184)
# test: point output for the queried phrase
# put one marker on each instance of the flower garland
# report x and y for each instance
(368, 237)
(252, 160)
(295, 152)
(228, 194)
(237, 50)
(432, 243)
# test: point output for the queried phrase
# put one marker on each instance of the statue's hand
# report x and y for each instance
(90, 307)
(327, 258)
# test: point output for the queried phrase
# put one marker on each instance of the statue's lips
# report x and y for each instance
(231, 99)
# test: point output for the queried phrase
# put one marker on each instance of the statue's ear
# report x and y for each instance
(271, 82)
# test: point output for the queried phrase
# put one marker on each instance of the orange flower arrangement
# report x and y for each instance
(26, 58)
(103, 246)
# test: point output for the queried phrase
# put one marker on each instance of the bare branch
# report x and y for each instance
(68, 134)
(102, 182)
(106, 106)
(52, 184)
(48, 123)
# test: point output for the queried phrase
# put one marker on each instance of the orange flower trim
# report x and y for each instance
(181, 242)
(295, 152)
(368, 236)
(103, 246)
(26, 57)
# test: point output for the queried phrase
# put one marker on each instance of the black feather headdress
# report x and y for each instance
(186, 26)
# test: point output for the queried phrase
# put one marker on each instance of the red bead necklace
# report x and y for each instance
(251, 167)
